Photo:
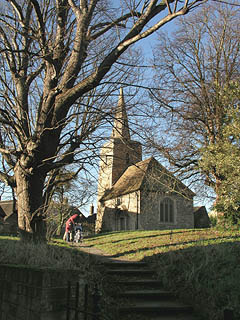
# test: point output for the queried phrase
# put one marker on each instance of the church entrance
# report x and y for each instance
(122, 223)
(121, 220)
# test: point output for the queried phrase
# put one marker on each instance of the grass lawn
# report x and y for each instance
(137, 245)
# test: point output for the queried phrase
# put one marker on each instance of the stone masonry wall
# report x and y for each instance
(149, 217)
(112, 212)
(32, 294)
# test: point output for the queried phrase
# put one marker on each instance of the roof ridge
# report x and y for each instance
(5, 201)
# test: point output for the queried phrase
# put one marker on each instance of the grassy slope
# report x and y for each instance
(54, 255)
(201, 266)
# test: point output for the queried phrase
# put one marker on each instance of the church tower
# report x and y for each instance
(119, 152)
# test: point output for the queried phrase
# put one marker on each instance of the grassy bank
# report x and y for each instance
(54, 255)
(201, 266)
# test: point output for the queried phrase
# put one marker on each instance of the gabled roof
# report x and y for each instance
(91, 218)
(201, 218)
(6, 208)
(130, 181)
(135, 177)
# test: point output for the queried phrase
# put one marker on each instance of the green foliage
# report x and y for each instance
(213, 221)
(221, 157)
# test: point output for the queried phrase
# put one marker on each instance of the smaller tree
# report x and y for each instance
(224, 156)
(68, 193)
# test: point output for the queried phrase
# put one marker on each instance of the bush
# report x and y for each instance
(213, 221)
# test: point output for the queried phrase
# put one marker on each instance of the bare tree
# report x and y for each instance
(69, 193)
(54, 55)
(194, 68)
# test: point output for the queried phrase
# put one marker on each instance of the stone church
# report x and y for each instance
(134, 193)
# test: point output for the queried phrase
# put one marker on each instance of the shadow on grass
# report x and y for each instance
(208, 277)
(205, 275)
(159, 235)
(173, 244)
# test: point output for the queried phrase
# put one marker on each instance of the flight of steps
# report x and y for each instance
(136, 294)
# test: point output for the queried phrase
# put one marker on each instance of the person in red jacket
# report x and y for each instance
(69, 229)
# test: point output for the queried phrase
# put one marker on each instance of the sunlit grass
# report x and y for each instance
(135, 245)
(201, 266)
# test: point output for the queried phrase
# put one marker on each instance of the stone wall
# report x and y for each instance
(119, 213)
(149, 217)
(140, 210)
(34, 294)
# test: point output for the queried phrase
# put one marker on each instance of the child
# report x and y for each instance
(78, 233)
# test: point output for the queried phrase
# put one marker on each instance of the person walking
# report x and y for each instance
(69, 228)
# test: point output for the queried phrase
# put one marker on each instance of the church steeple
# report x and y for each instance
(121, 128)
(119, 152)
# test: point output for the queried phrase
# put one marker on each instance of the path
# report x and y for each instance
(137, 290)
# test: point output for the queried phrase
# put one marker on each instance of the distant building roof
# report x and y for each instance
(8, 217)
(133, 179)
(201, 218)
(74, 210)
(6, 208)
(91, 218)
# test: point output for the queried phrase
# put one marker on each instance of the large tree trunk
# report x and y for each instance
(30, 208)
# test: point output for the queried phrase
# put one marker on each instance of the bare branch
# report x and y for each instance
(169, 9)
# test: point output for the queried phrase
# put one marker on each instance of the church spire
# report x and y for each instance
(120, 128)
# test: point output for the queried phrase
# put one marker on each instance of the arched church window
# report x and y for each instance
(166, 211)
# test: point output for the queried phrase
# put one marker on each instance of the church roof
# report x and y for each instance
(130, 181)
(134, 178)
(6, 208)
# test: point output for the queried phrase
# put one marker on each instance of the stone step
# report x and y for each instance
(145, 294)
(151, 307)
(158, 316)
(131, 272)
(125, 264)
(139, 295)
(173, 317)
(139, 283)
